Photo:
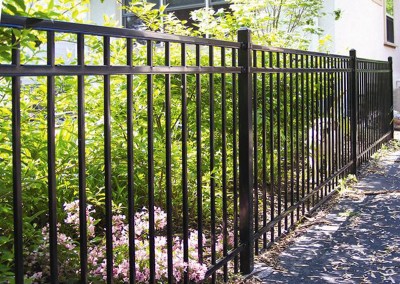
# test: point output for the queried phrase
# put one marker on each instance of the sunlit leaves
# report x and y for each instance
(287, 23)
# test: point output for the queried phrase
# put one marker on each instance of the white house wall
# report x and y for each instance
(361, 26)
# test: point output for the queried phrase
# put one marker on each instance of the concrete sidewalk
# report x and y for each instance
(357, 242)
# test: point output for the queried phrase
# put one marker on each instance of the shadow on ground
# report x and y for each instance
(357, 242)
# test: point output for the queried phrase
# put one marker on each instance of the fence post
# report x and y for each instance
(354, 110)
(246, 225)
(390, 60)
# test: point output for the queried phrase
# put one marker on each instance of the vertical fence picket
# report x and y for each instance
(150, 162)
(82, 162)
(16, 161)
(312, 152)
(168, 164)
(235, 160)
(255, 147)
(285, 142)
(292, 144)
(278, 143)
(307, 127)
(224, 165)
(320, 134)
(212, 162)
(130, 160)
(271, 146)
(51, 163)
(107, 161)
(297, 129)
(185, 205)
(324, 125)
(199, 189)
(303, 109)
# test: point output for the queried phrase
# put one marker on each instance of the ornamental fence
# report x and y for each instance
(134, 156)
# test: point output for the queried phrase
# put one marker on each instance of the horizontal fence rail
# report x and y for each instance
(141, 157)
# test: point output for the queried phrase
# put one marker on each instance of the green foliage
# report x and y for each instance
(346, 184)
(158, 19)
(338, 14)
(389, 7)
(63, 10)
(274, 23)
(288, 23)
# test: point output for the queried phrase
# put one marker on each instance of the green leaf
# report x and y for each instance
(11, 9)
(75, 14)
(17, 33)
(51, 5)
(21, 4)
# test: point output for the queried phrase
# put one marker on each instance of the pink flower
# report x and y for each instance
(160, 218)
(72, 210)
(97, 256)
(37, 276)
(66, 241)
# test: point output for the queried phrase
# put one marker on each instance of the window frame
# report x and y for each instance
(387, 16)
(201, 4)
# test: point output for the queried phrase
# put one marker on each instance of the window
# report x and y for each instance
(130, 20)
(183, 4)
(181, 8)
(389, 22)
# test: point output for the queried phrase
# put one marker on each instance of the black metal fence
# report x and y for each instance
(234, 141)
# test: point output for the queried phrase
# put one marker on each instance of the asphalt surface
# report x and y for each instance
(357, 242)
